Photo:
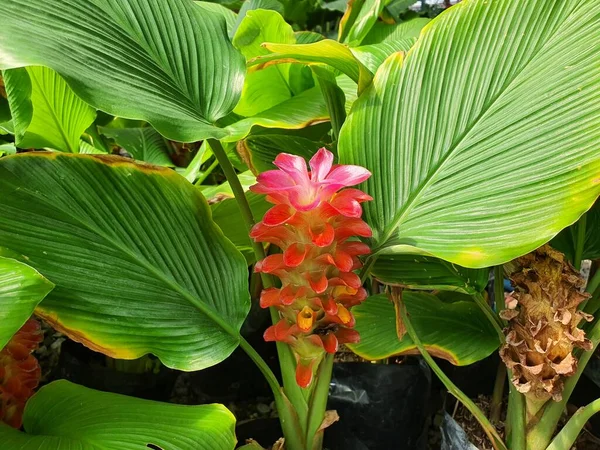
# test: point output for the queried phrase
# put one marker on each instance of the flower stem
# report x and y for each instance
(318, 403)
(286, 358)
(488, 428)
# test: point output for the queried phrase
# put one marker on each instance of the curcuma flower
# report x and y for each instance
(19, 372)
(315, 222)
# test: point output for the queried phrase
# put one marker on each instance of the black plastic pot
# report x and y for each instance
(381, 407)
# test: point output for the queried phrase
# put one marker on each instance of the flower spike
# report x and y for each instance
(315, 221)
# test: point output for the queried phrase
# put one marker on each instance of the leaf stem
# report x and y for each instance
(488, 428)
(580, 241)
(498, 394)
(490, 314)
(207, 172)
(567, 436)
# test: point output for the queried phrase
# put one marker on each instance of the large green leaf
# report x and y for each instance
(21, 289)
(139, 265)
(265, 88)
(566, 240)
(65, 416)
(427, 273)
(143, 144)
(168, 62)
(45, 111)
(458, 332)
(483, 143)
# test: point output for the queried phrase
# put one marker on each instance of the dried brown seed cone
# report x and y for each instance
(542, 324)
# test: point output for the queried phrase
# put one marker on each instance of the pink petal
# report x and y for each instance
(294, 166)
(347, 175)
(271, 179)
(320, 164)
(304, 198)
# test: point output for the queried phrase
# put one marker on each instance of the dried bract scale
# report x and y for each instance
(315, 222)
(543, 324)
(19, 372)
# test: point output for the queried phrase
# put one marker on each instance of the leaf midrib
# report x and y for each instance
(430, 178)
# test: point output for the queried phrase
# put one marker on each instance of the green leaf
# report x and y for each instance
(493, 148)
(251, 5)
(139, 265)
(301, 111)
(65, 416)
(143, 144)
(359, 18)
(7, 148)
(21, 289)
(226, 214)
(260, 26)
(566, 240)
(259, 151)
(373, 56)
(46, 112)
(168, 62)
(427, 273)
(458, 332)
(384, 32)
(227, 14)
(326, 51)
(308, 37)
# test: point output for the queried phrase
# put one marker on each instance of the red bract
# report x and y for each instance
(316, 227)
(19, 372)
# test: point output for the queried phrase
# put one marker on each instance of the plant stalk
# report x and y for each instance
(318, 404)
(488, 428)
(490, 314)
(580, 241)
(286, 358)
(565, 439)
(498, 395)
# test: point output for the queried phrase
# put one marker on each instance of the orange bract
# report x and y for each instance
(19, 372)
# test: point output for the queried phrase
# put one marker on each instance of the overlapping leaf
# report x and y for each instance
(143, 144)
(427, 273)
(168, 62)
(138, 264)
(458, 331)
(484, 141)
(46, 112)
(65, 416)
(21, 289)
